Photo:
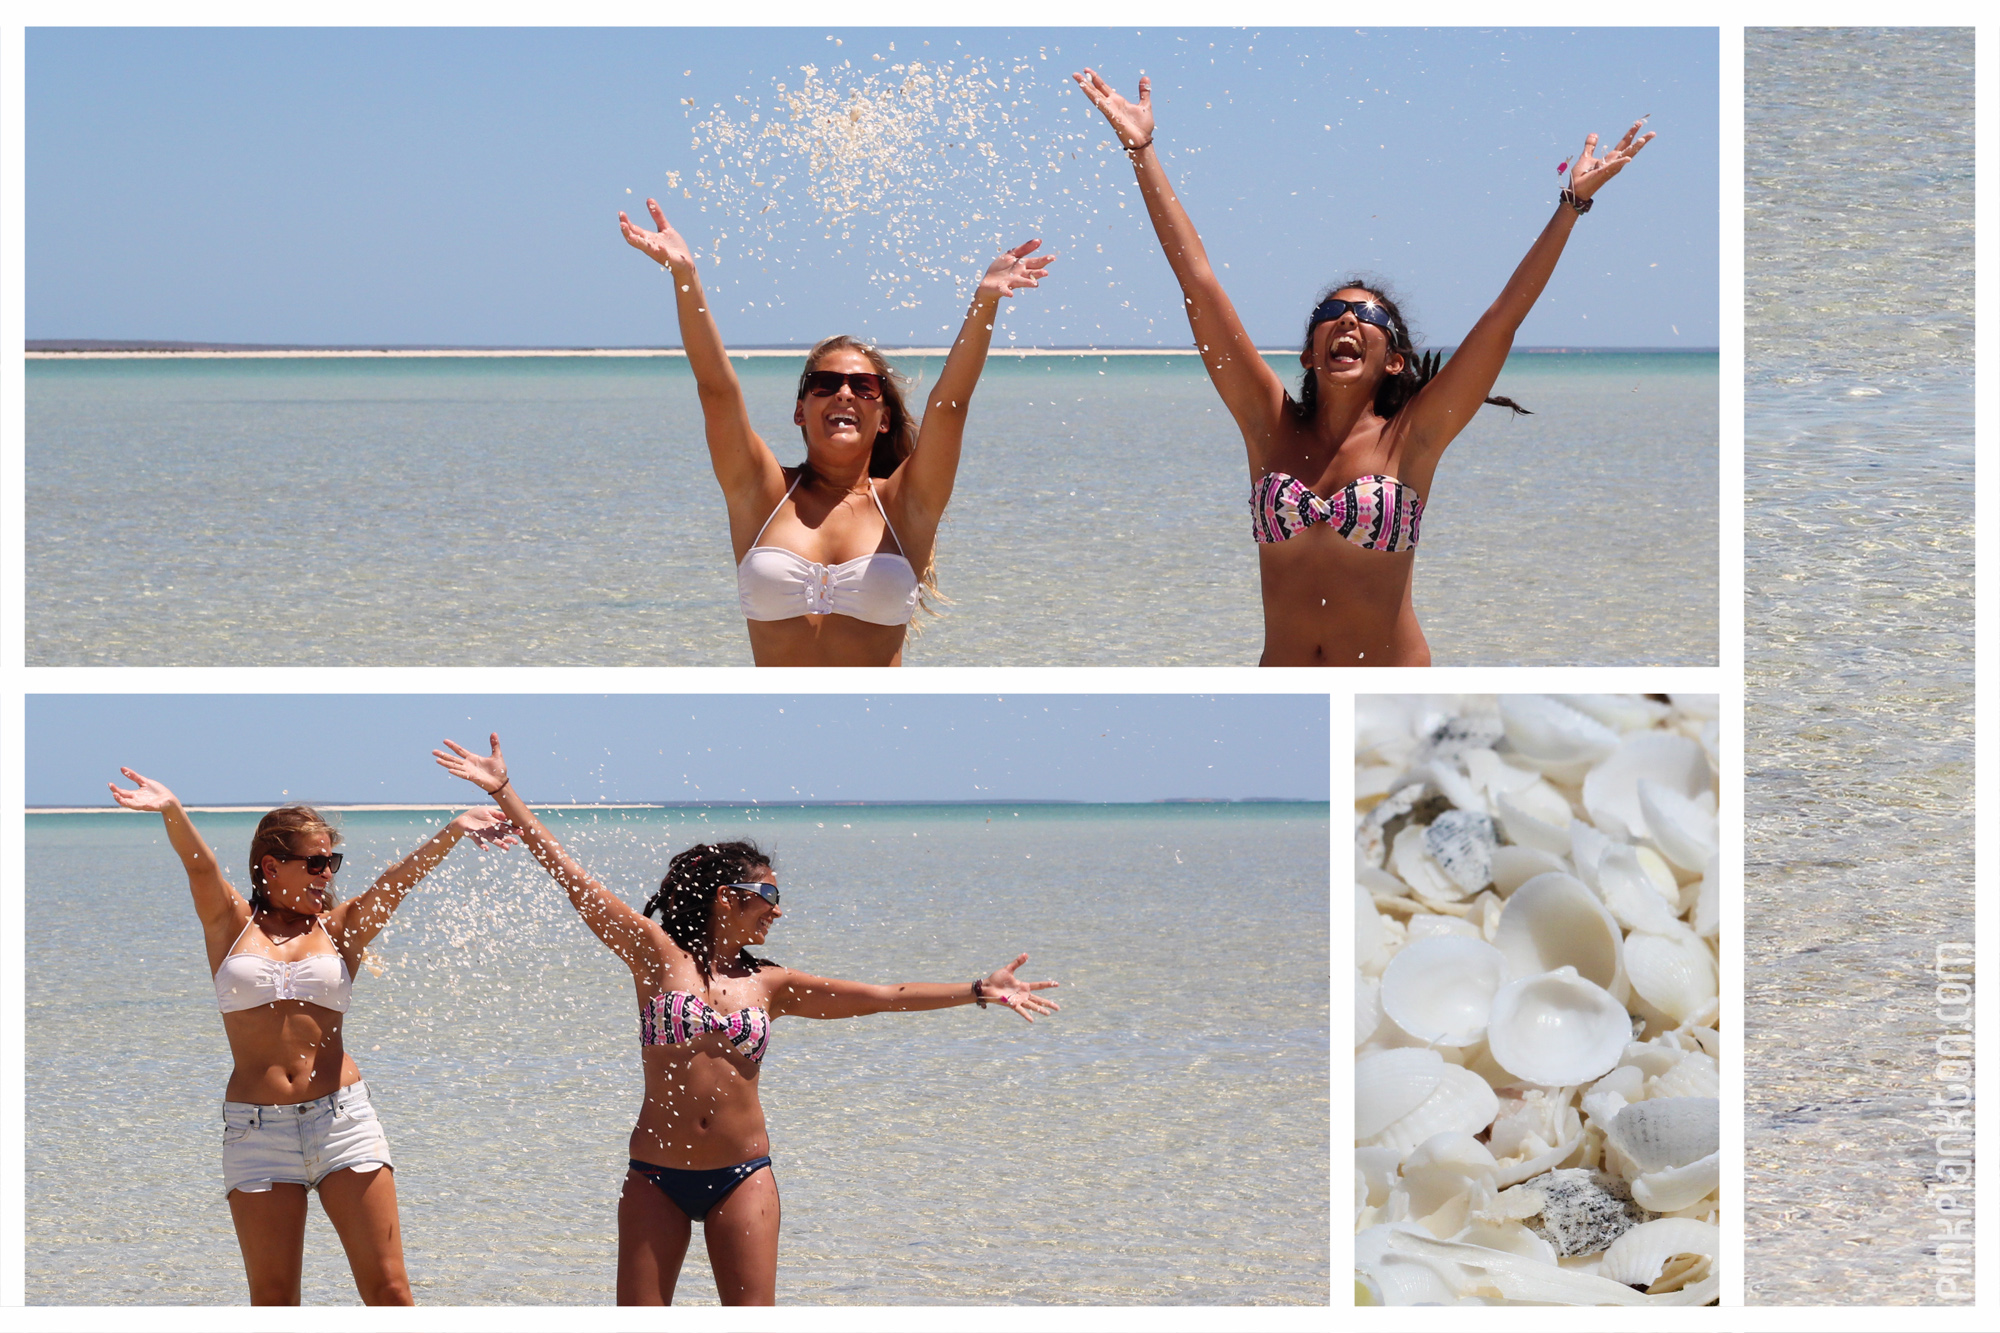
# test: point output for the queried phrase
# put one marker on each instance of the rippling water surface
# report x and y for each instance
(1162, 1140)
(1859, 552)
(545, 511)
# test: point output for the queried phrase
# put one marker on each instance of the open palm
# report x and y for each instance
(1014, 270)
(146, 794)
(1133, 121)
(664, 246)
(1591, 172)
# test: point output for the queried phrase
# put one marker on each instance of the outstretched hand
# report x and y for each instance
(664, 246)
(489, 774)
(1590, 172)
(1134, 123)
(146, 794)
(487, 827)
(1013, 270)
(1020, 995)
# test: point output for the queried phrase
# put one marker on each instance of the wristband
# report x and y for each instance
(977, 998)
(504, 784)
(1580, 205)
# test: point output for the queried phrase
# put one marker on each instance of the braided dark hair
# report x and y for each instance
(1395, 390)
(685, 904)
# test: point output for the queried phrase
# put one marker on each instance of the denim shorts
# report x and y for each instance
(303, 1144)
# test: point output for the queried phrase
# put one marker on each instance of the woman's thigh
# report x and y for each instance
(742, 1236)
(362, 1207)
(652, 1241)
(271, 1231)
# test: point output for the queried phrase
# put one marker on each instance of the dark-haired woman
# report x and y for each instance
(834, 556)
(1339, 476)
(700, 1152)
(296, 1115)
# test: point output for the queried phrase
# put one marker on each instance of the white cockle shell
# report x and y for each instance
(1557, 1029)
(1443, 1170)
(1684, 830)
(1367, 1007)
(1553, 737)
(1440, 989)
(1553, 921)
(1620, 712)
(1635, 895)
(1672, 970)
(1527, 824)
(1611, 791)
(1664, 1132)
(1648, 1252)
(1673, 1188)
(1514, 866)
(1451, 1100)
(1411, 861)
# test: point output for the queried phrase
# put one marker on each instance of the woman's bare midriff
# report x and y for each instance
(1327, 602)
(825, 641)
(702, 1111)
(286, 1053)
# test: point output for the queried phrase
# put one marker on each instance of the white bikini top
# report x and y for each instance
(250, 981)
(775, 584)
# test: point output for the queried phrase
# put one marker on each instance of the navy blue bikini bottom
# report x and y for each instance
(695, 1192)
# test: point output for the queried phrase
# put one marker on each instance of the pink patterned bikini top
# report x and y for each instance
(677, 1017)
(1374, 512)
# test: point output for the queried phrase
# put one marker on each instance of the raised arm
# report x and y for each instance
(1444, 406)
(624, 931)
(1251, 390)
(808, 996)
(220, 907)
(744, 464)
(361, 918)
(933, 468)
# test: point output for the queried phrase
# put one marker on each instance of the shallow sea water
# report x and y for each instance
(1858, 543)
(1141, 1147)
(560, 512)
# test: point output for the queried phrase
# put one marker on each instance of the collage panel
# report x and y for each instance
(428, 1018)
(694, 384)
(1540, 1028)
(1859, 242)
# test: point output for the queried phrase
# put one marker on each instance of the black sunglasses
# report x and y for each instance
(1368, 312)
(867, 385)
(317, 864)
(768, 892)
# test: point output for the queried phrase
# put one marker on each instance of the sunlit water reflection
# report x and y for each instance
(1859, 551)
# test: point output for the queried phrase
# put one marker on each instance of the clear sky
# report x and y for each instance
(459, 186)
(362, 749)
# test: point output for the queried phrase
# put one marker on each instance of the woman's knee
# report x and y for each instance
(389, 1289)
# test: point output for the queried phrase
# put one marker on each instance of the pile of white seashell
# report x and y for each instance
(1536, 1019)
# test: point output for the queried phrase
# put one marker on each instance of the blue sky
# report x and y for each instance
(266, 749)
(460, 186)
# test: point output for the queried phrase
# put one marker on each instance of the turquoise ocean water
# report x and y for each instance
(1163, 1140)
(546, 511)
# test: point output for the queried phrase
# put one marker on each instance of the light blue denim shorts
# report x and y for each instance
(264, 1146)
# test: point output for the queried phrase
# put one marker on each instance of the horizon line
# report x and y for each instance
(377, 806)
(44, 348)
